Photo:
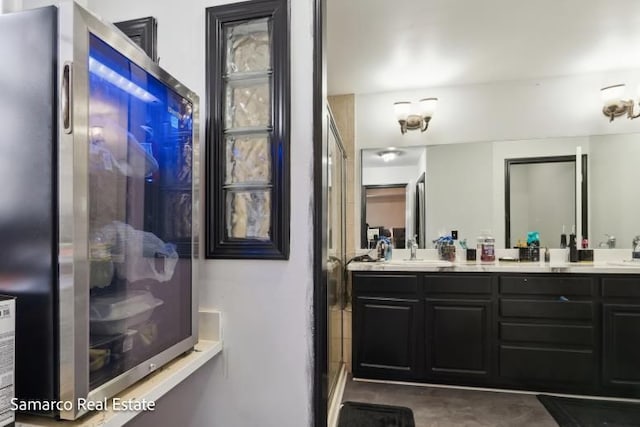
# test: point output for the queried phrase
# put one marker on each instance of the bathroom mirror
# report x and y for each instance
(388, 179)
(540, 195)
(465, 187)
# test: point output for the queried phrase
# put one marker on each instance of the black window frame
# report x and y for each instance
(144, 33)
(217, 245)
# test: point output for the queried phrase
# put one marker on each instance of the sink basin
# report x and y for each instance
(626, 263)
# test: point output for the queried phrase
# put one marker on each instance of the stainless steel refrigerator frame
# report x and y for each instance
(74, 26)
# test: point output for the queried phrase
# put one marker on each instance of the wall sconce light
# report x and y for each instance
(614, 103)
(389, 154)
(412, 121)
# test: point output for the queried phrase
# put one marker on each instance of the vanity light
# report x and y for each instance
(614, 103)
(412, 121)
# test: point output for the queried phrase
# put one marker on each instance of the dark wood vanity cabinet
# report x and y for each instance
(457, 327)
(547, 339)
(621, 333)
(387, 315)
(543, 332)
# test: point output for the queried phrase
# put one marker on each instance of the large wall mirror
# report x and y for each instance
(388, 194)
(465, 189)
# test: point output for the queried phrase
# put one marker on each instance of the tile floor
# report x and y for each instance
(443, 407)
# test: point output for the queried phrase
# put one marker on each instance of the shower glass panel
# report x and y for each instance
(336, 244)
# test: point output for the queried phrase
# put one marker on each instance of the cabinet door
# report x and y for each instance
(458, 338)
(621, 352)
(385, 340)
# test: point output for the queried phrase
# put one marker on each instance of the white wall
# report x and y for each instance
(521, 109)
(31, 4)
(388, 175)
(263, 377)
(9, 6)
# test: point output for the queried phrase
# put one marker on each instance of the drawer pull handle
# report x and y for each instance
(563, 299)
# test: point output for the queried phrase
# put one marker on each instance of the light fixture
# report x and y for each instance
(412, 121)
(389, 154)
(99, 69)
(614, 103)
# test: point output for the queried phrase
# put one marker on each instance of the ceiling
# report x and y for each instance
(382, 45)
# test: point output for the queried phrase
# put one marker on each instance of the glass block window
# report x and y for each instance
(247, 209)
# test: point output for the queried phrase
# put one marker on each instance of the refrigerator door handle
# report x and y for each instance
(66, 97)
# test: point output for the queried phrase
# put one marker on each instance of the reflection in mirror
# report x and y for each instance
(384, 212)
(540, 196)
(465, 187)
(613, 189)
(388, 178)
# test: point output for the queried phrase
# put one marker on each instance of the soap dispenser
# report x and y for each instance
(636, 248)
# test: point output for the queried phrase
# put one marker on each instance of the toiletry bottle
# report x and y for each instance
(573, 249)
(387, 251)
(486, 247)
(563, 239)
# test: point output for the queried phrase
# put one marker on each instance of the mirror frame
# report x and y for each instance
(548, 159)
(419, 219)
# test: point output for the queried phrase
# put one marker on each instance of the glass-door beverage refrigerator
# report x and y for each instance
(98, 208)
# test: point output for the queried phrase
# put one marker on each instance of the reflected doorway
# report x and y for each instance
(384, 213)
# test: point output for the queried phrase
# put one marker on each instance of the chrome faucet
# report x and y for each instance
(413, 247)
(610, 243)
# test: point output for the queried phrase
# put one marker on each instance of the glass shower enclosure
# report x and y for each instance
(336, 253)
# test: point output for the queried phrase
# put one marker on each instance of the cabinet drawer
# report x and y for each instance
(387, 284)
(550, 334)
(546, 285)
(568, 310)
(457, 284)
(624, 287)
(547, 364)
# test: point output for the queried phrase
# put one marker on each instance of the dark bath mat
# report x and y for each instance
(591, 413)
(356, 414)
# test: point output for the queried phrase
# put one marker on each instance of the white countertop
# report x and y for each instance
(606, 261)
(498, 267)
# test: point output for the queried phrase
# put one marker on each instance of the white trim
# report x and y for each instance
(499, 390)
(336, 399)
